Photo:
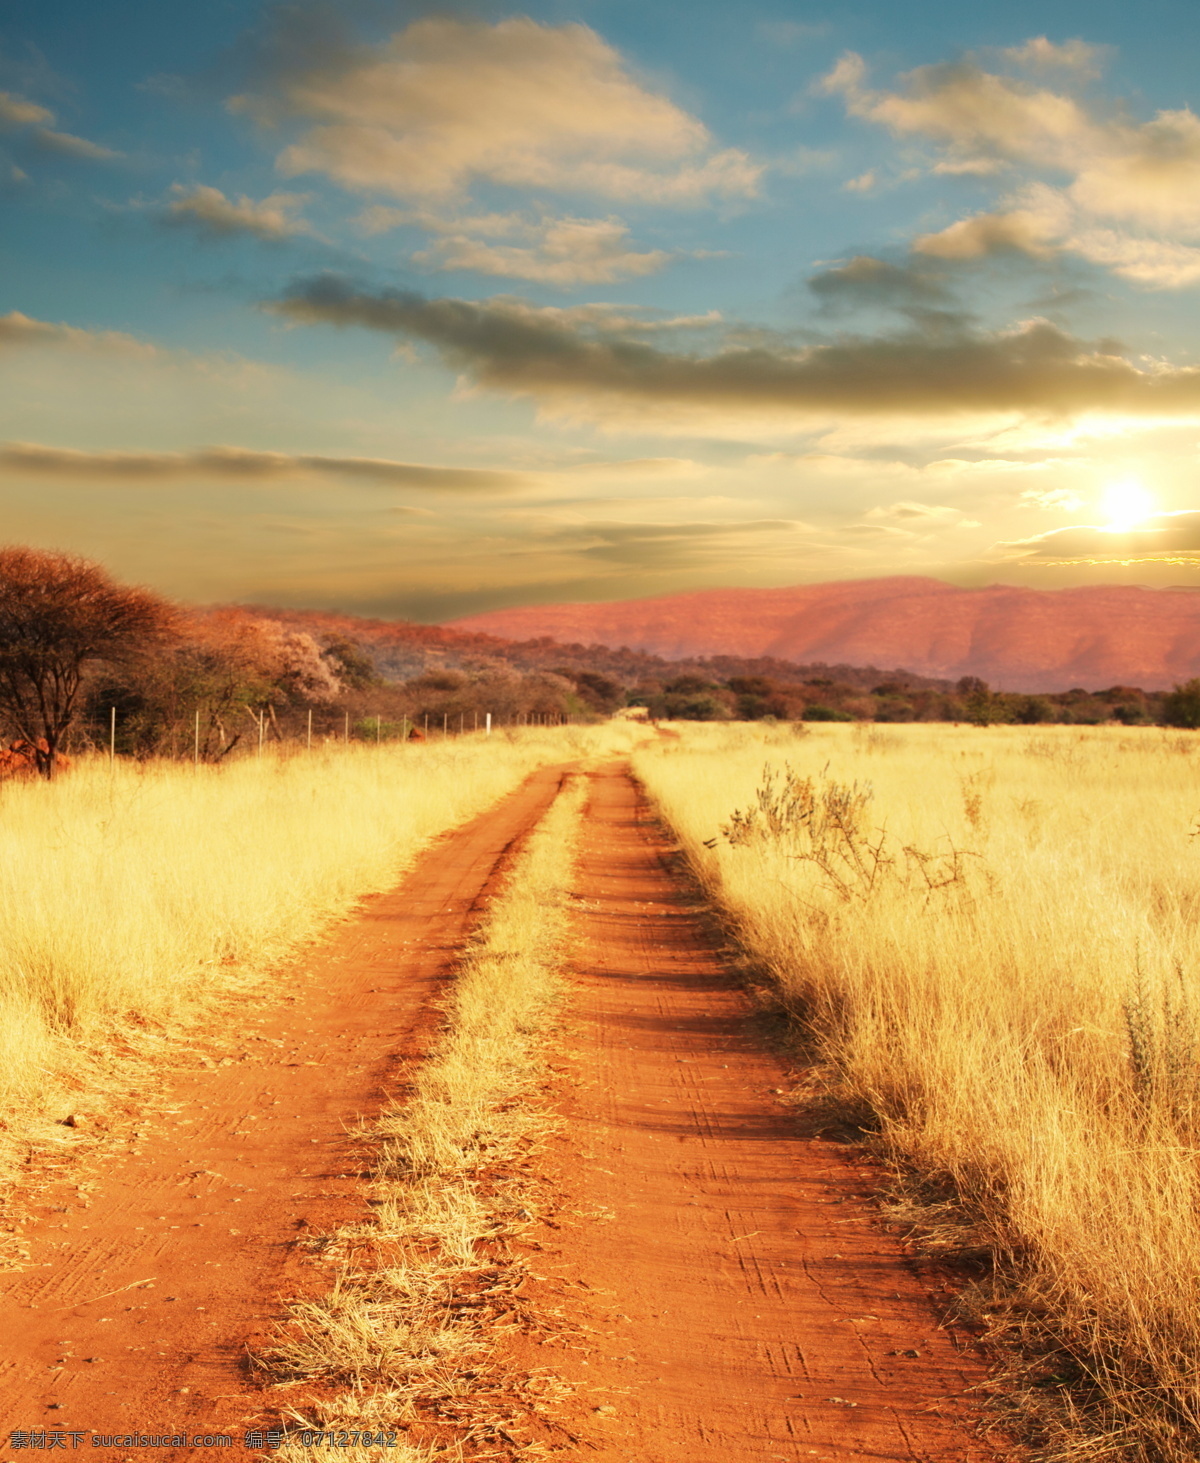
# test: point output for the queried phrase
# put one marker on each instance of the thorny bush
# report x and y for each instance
(824, 822)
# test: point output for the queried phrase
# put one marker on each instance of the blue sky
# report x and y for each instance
(419, 312)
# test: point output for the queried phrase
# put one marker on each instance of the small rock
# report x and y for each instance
(605, 1411)
(74, 1120)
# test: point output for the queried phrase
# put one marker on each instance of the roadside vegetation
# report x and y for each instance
(134, 895)
(990, 941)
(406, 1339)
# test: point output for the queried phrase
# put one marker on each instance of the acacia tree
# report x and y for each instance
(58, 613)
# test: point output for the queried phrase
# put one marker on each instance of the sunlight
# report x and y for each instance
(1126, 504)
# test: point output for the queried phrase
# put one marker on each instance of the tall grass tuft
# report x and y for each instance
(993, 939)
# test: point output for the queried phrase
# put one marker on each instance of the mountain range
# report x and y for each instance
(1014, 638)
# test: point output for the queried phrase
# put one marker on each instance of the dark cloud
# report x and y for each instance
(515, 347)
(866, 281)
(1167, 536)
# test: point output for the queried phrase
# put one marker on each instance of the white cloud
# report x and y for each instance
(1041, 54)
(560, 251)
(17, 329)
(1054, 500)
(448, 102)
(1130, 201)
(74, 146)
(19, 112)
(919, 516)
(863, 183)
(209, 211)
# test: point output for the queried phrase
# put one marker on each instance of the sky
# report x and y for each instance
(419, 312)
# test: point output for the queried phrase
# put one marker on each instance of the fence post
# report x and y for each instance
(346, 730)
(310, 728)
(196, 744)
(112, 737)
(489, 724)
(378, 729)
(262, 723)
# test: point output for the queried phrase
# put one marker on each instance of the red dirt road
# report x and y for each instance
(135, 1313)
(748, 1305)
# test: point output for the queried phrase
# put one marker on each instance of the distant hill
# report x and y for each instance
(1016, 639)
(402, 649)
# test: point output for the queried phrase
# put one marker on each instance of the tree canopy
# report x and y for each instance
(58, 613)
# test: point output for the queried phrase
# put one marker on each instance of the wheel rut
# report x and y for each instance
(746, 1302)
(137, 1312)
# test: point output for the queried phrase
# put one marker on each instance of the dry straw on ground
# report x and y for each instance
(993, 937)
(132, 896)
(407, 1334)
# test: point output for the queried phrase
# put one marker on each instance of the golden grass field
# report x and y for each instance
(133, 895)
(1013, 1003)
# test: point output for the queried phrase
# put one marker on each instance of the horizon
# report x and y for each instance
(422, 314)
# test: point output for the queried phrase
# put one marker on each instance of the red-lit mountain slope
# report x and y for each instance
(1019, 639)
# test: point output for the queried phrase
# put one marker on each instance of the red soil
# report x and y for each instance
(744, 1300)
(737, 1297)
(136, 1313)
(1018, 639)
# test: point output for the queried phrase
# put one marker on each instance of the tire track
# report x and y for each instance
(753, 1308)
(136, 1312)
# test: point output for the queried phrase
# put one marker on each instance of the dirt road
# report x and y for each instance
(736, 1298)
(747, 1305)
(136, 1312)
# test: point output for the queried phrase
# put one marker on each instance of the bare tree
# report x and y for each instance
(58, 613)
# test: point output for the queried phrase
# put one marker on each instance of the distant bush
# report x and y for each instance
(825, 713)
(1181, 707)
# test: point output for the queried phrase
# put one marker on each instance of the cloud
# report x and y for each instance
(868, 281)
(511, 346)
(33, 459)
(988, 233)
(1131, 199)
(666, 545)
(922, 515)
(1041, 54)
(556, 251)
(73, 146)
(18, 330)
(449, 102)
(208, 211)
(1055, 500)
(1169, 537)
(241, 463)
(863, 183)
(17, 112)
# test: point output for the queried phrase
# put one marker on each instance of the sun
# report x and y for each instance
(1126, 504)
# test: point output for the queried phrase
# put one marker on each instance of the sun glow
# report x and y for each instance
(1126, 504)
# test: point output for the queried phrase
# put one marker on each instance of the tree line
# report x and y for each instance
(88, 661)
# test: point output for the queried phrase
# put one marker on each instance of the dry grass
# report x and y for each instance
(994, 942)
(131, 897)
(408, 1333)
